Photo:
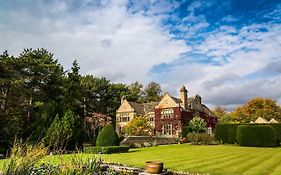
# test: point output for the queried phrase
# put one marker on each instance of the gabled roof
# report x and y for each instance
(149, 107)
(139, 108)
(168, 101)
(207, 110)
(177, 100)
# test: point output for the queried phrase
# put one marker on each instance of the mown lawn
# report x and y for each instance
(217, 159)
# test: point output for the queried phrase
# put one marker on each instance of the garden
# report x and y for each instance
(210, 159)
(237, 149)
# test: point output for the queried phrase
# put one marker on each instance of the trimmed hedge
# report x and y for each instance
(256, 135)
(106, 149)
(277, 129)
(107, 137)
(226, 133)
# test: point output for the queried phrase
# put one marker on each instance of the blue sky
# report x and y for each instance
(226, 51)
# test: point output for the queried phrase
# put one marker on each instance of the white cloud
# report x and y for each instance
(239, 53)
(107, 41)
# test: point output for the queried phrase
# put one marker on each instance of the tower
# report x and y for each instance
(183, 97)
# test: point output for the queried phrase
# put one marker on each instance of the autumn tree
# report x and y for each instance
(257, 107)
(222, 115)
(139, 126)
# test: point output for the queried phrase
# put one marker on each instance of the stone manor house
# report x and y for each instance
(168, 116)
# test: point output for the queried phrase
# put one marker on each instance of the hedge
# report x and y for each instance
(107, 137)
(256, 135)
(277, 129)
(106, 149)
(226, 133)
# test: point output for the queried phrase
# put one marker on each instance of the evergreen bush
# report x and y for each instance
(185, 131)
(256, 135)
(63, 131)
(107, 137)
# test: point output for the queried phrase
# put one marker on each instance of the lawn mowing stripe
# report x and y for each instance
(247, 161)
(219, 165)
(266, 166)
(199, 162)
(195, 159)
(258, 161)
(276, 170)
(174, 158)
(212, 161)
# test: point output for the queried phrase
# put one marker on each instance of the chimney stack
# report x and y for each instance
(183, 97)
(122, 99)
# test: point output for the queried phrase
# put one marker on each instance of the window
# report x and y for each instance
(167, 129)
(167, 113)
(151, 117)
(124, 118)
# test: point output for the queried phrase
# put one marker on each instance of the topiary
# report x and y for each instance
(107, 137)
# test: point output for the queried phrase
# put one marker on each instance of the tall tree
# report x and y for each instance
(99, 95)
(257, 107)
(152, 92)
(73, 96)
(28, 80)
(135, 92)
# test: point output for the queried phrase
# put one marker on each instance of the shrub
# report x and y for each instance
(197, 124)
(106, 149)
(185, 131)
(107, 137)
(200, 139)
(62, 130)
(256, 135)
(139, 126)
(226, 133)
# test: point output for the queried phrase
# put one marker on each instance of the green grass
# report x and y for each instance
(216, 159)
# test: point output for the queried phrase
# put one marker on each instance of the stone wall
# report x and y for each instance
(141, 141)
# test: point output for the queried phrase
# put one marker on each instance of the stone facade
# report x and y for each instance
(134, 141)
(168, 116)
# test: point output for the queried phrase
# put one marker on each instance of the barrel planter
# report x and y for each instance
(154, 167)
